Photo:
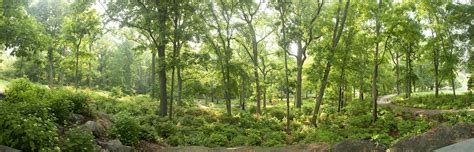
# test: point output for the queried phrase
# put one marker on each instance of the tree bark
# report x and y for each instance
(51, 66)
(77, 63)
(89, 65)
(285, 51)
(162, 79)
(180, 85)
(376, 66)
(408, 75)
(335, 40)
(153, 74)
(299, 71)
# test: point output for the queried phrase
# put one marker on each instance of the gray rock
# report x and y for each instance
(437, 137)
(358, 145)
(461, 131)
(77, 118)
(115, 146)
(104, 120)
(95, 128)
(464, 146)
(8, 149)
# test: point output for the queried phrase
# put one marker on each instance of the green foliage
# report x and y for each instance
(61, 109)
(22, 90)
(128, 129)
(444, 101)
(217, 140)
(79, 139)
(26, 132)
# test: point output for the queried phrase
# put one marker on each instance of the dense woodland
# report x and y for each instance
(226, 73)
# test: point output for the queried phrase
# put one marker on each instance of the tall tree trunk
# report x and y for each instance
(435, 61)
(453, 84)
(299, 71)
(338, 28)
(61, 69)
(162, 79)
(171, 92)
(397, 71)
(51, 66)
(255, 67)
(264, 88)
(180, 85)
(376, 66)
(153, 74)
(77, 63)
(285, 51)
(227, 90)
(408, 75)
(242, 95)
(89, 65)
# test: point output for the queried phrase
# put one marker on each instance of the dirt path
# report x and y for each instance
(384, 101)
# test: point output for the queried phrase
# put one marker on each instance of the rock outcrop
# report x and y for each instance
(115, 146)
(8, 149)
(437, 137)
(358, 145)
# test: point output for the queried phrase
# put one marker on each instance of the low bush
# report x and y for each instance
(126, 128)
(443, 101)
(79, 139)
(22, 90)
(26, 132)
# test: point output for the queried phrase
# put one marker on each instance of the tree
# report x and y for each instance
(337, 31)
(305, 15)
(376, 63)
(50, 14)
(151, 19)
(282, 7)
(182, 20)
(217, 16)
(79, 27)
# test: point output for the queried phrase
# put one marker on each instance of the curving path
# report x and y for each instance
(384, 101)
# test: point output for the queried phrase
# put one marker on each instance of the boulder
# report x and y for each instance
(77, 118)
(104, 120)
(437, 137)
(115, 146)
(358, 145)
(95, 128)
(8, 149)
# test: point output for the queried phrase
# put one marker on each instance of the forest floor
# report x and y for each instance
(385, 101)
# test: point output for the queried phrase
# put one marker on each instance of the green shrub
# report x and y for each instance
(274, 139)
(79, 139)
(116, 92)
(79, 102)
(321, 135)
(361, 121)
(26, 132)
(239, 140)
(126, 128)
(60, 108)
(22, 90)
(278, 113)
(217, 140)
(383, 139)
(165, 128)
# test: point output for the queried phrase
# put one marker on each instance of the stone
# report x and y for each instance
(77, 118)
(464, 146)
(115, 146)
(8, 149)
(357, 145)
(95, 128)
(435, 138)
